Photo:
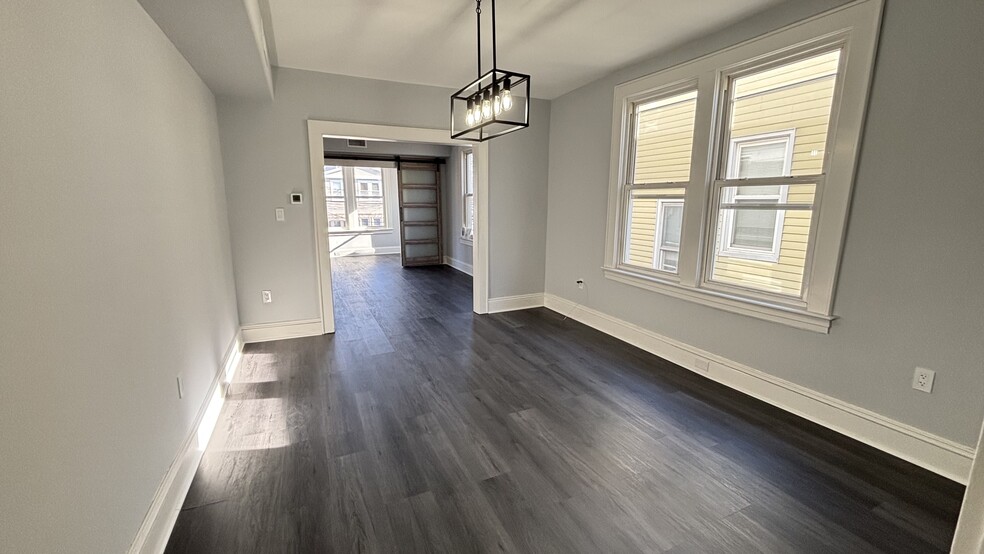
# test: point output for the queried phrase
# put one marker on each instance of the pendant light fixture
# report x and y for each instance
(496, 103)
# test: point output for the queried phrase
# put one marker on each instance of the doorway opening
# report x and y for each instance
(388, 199)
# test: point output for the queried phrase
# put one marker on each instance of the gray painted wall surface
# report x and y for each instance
(115, 269)
(518, 164)
(910, 288)
(265, 154)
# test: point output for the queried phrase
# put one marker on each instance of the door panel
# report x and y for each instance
(420, 214)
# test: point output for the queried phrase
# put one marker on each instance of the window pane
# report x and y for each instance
(756, 255)
(754, 229)
(793, 97)
(761, 160)
(664, 138)
(369, 205)
(654, 218)
(669, 260)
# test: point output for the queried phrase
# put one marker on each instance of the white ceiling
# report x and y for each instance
(563, 44)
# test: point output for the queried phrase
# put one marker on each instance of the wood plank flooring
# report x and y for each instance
(420, 427)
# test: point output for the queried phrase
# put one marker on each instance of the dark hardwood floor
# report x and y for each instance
(420, 427)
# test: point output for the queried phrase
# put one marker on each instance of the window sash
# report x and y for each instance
(351, 194)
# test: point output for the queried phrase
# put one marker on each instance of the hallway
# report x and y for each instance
(420, 427)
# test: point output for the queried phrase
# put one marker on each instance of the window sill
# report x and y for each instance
(466, 240)
(342, 232)
(792, 317)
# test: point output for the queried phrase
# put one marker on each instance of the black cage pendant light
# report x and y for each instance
(496, 103)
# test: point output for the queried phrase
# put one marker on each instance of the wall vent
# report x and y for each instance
(358, 143)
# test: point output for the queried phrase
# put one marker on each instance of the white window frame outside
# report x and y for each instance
(853, 28)
(728, 248)
(467, 218)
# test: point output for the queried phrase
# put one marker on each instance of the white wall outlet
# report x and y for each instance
(280, 214)
(923, 378)
(181, 391)
(703, 365)
(267, 296)
(580, 284)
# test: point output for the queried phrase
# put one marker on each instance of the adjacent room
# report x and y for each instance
(491, 276)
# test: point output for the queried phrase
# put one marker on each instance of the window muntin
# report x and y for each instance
(355, 197)
(468, 195)
(778, 120)
(662, 145)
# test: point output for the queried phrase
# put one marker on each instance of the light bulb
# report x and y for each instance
(469, 118)
(496, 100)
(487, 106)
(507, 99)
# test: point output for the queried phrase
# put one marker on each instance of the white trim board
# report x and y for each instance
(156, 528)
(458, 264)
(937, 454)
(263, 332)
(513, 303)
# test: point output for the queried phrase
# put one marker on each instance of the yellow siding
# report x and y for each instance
(664, 141)
(642, 224)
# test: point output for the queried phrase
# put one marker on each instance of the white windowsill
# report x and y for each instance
(792, 317)
(380, 231)
(466, 240)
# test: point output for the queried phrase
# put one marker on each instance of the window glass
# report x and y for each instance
(664, 139)
(335, 197)
(654, 226)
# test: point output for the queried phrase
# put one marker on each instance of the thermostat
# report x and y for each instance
(296, 198)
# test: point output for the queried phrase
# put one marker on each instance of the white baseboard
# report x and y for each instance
(937, 454)
(263, 332)
(512, 303)
(367, 251)
(459, 265)
(156, 528)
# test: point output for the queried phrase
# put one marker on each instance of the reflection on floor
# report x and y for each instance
(420, 427)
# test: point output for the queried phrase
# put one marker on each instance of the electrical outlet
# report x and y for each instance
(922, 379)
(180, 388)
(267, 296)
(703, 364)
(279, 213)
(580, 284)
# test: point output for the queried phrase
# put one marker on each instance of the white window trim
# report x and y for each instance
(467, 231)
(854, 28)
(728, 249)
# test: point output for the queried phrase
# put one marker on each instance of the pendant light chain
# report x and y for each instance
(478, 21)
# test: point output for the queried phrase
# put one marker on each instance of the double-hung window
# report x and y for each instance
(468, 195)
(732, 173)
(356, 198)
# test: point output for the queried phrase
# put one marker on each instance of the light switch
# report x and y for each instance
(280, 214)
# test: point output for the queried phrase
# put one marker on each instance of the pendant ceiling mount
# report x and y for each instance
(496, 103)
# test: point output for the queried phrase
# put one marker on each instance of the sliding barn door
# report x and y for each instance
(420, 213)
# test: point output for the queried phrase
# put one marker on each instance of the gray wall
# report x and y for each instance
(115, 269)
(518, 164)
(265, 154)
(910, 288)
(454, 247)
(345, 243)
